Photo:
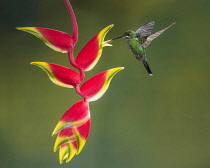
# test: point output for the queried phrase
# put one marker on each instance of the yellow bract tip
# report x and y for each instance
(61, 125)
(39, 63)
(107, 43)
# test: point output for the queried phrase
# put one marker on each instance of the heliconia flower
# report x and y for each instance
(75, 116)
(74, 126)
(71, 141)
(96, 86)
(67, 151)
(57, 40)
(91, 52)
(82, 133)
(64, 136)
(60, 75)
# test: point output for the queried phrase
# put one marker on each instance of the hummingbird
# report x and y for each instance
(139, 40)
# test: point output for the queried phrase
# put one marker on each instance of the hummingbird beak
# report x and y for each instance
(118, 37)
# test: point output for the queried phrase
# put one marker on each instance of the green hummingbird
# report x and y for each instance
(139, 40)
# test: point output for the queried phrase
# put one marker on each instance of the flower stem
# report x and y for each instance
(71, 58)
(82, 74)
(73, 20)
(77, 88)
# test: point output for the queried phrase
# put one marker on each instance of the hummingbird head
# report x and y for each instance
(127, 35)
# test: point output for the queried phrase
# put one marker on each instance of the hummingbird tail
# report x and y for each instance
(147, 67)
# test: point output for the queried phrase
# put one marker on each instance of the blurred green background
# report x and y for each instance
(141, 122)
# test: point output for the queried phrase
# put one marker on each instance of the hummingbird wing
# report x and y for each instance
(145, 30)
(154, 35)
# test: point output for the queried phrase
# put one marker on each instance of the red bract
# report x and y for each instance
(71, 140)
(51, 38)
(74, 126)
(77, 115)
(96, 86)
(82, 133)
(57, 40)
(60, 75)
(67, 151)
(64, 136)
(91, 52)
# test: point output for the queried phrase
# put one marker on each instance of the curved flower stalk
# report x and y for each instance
(73, 128)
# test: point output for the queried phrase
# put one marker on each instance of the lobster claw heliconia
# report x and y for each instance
(74, 126)
(73, 130)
